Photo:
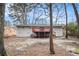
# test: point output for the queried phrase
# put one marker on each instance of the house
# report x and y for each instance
(39, 30)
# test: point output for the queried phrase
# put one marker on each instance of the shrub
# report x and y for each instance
(72, 29)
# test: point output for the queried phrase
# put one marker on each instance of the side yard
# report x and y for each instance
(36, 47)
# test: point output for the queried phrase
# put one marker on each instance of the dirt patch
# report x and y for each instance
(31, 47)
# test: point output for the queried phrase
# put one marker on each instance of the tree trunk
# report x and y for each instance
(51, 29)
(66, 19)
(2, 10)
(77, 16)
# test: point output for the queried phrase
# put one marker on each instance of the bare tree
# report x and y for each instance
(39, 11)
(18, 11)
(2, 10)
(66, 19)
(51, 29)
(77, 16)
(58, 12)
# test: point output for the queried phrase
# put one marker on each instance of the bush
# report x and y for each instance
(72, 29)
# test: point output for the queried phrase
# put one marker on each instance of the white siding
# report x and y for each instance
(58, 31)
(24, 32)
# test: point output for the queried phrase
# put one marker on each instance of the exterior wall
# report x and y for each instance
(27, 31)
(58, 31)
(23, 32)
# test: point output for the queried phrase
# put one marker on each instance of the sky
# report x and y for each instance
(6, 13)
(70, 12)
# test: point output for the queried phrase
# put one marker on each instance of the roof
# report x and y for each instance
(38, 26)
